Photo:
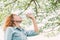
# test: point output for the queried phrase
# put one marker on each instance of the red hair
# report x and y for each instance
(9, 21)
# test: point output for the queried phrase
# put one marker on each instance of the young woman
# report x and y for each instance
(13, 30)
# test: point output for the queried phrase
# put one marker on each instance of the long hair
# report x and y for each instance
(9, 22)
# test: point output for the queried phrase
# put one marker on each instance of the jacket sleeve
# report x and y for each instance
(31, 33)
(8, 34)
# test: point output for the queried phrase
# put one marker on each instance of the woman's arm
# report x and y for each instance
(8, 34)
(34, 22)
(35, 25)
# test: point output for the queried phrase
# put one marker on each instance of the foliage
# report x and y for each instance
(46, 12)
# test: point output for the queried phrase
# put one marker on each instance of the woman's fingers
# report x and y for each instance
(30, 16)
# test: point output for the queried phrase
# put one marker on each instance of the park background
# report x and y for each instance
(46, 12)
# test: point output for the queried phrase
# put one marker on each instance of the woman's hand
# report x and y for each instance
(30, 16)
(34, 22)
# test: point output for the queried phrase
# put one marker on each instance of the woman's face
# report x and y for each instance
(17, 20)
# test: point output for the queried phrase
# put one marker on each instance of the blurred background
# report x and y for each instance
(46, 12)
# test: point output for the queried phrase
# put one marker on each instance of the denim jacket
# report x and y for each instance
(14, 33)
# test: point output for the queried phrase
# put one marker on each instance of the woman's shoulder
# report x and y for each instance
(10, 28)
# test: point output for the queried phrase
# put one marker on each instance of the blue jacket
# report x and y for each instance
(14, 33)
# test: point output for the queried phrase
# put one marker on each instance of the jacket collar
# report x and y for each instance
(19, 28)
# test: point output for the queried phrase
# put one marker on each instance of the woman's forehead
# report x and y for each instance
(16, 17)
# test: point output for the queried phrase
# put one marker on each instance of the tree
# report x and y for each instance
(45, 12)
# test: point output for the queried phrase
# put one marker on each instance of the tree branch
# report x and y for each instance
(36, 8)
(27, 7)
(37, 3)
(10, 3)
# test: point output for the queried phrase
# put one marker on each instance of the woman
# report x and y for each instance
(13, 30)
